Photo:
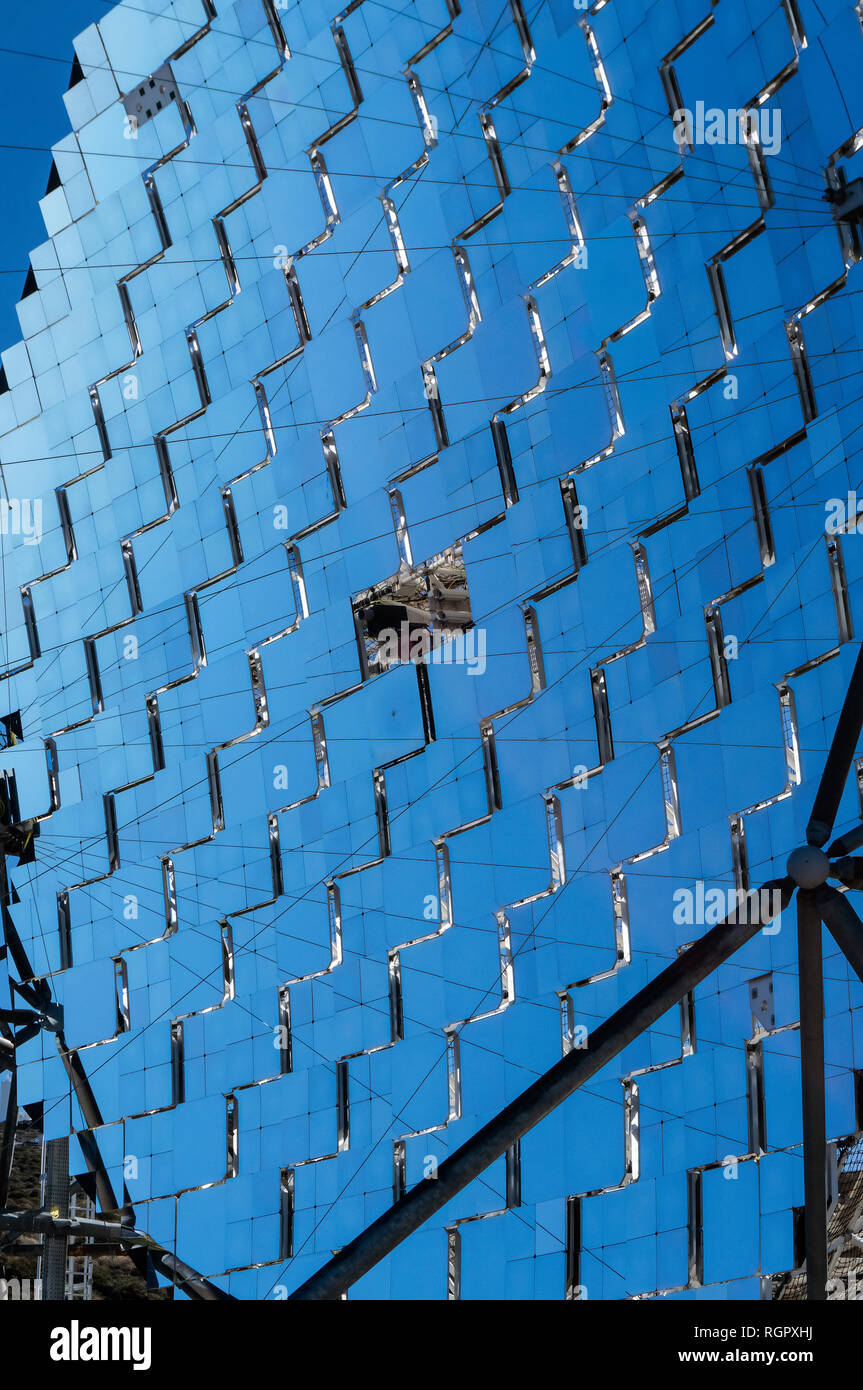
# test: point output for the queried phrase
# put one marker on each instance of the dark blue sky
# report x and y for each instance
(32, 114)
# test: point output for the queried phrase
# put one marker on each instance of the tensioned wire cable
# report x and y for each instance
(723, 540)
(463, 38)
(733, 1139)
(740, 171)
(361, 910)
(372, 1004)
(466, 181)
(412, 186)
(628, 377)
(502, 607)
(256, 431)
(184, 437)
(254, 748)
(814, 195)
(663, 1111)
(213, 478)
(520, 712)
(515, 953)
(732, 421)
(377, 413)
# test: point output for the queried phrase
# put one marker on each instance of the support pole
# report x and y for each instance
(811, 986)
(56, 1200)
(7, 1143)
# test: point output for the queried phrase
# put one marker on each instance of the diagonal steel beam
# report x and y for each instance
(848, 870)
(186, 1278)
(87, 1142)
(844, 925)
(811, 986)
(847, 843)
(543, 1096)
(117, 1233)
(45, 1223)
(18, 1016)
(838, 764)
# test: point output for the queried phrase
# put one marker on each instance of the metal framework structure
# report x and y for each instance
(18, 1025)
(341, 483)
(808, 869)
